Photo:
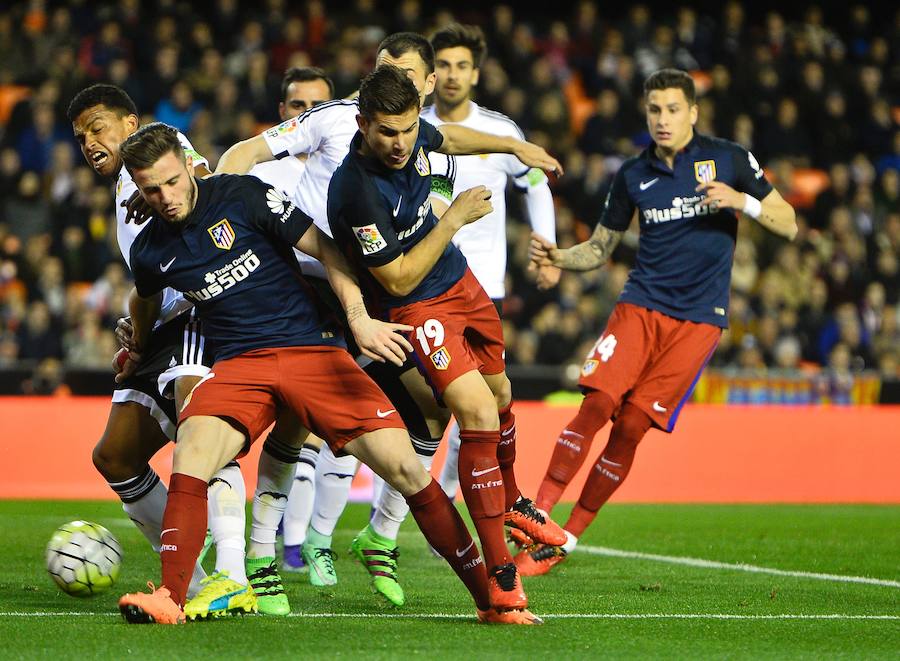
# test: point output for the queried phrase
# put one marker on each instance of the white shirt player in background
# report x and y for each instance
(459, 51)
(301, 89)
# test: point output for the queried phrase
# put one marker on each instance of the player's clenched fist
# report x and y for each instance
(541, 251)
(471, 204)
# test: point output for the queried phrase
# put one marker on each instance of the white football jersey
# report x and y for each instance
(173, 302)
(285, 175)
(484, 241)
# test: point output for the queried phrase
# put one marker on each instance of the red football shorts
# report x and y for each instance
(649, 359)
(456, 332)
(324, 386)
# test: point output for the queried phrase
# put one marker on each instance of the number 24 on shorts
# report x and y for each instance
(604, 349)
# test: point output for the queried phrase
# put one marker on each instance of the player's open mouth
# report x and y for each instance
(98, 158)
(398, 159)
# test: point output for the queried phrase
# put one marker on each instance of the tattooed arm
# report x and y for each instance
(586, 256)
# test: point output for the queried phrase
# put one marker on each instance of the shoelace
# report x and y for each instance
(387, 566)
(327, 556)
(526, 508)
(546, 552)
(506, 576)
(266, 578)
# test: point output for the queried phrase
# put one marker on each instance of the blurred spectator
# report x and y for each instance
(805, 88)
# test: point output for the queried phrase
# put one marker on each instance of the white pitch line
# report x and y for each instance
(713, 564)
(548, 616)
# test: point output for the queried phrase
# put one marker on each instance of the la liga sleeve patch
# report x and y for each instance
(370, 239)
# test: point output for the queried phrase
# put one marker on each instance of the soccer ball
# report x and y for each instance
(83, 558)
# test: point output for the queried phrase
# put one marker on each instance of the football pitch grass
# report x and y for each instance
(648, 581)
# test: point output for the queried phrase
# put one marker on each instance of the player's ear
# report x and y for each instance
(430, 79)
(281, 109)
(693, 111)
(475, 74)
(131, 123)
(362, 123)
(189, 164)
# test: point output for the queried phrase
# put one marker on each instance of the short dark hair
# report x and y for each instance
(148, 144)
(465, 36)
(401, 43)
(387, 90)
(671, 78)
(304, 75)
(111, 96)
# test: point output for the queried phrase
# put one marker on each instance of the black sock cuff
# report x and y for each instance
(136, 488)
(280, 450)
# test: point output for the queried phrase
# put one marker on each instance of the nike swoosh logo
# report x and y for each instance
(166, 267)
(509, 431)
(460, 554)
(340, 475)
(476, 473)
(384, 414)
(611, 463)
(168, 530)
(646, 184)
(566, 432)
(397, 210)
(659, 408)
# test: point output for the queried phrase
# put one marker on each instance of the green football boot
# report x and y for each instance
(379, 556)
(320, 561)
(266, 583)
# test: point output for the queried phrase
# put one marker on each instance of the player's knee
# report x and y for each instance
(630, 427)
(408, 476)
(113, 465)
(595, 411)
(479, 416)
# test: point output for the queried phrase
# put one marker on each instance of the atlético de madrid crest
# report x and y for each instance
(705, 171)
(423, 167)
(222, 234)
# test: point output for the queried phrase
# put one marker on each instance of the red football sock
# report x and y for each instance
(506, 455)
(183, 531)
(482, 486)
(611, 469)
(572, 447)
(445, 530)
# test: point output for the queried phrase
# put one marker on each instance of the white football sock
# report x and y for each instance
(269, 503)
(147, 511)
(449, 479)
(300, 501)
(227, 520)
(333, 478)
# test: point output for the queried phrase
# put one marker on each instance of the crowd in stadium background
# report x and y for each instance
(814, 94)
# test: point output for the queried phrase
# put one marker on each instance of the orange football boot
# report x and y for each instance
(535, 523)
(157, 606)
(539, 560)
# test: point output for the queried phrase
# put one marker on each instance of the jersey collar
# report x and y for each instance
(684, 152)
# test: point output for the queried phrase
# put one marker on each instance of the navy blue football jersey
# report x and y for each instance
(376, 214)
(683, 265)
(233, 258)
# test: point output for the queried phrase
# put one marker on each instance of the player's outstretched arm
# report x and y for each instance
(240, 157)
(376, 339)
(585, 256)
(772, 212)
(403, 274)
(460, 140)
